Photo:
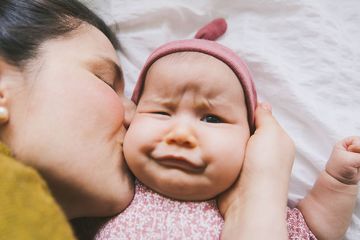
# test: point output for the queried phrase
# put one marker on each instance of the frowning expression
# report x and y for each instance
(188, 137)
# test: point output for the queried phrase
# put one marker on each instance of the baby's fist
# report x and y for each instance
(344, 163)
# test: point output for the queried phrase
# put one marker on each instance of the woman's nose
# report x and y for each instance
(129, 111)
(181, 136)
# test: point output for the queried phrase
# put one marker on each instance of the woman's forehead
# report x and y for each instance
(86, 40)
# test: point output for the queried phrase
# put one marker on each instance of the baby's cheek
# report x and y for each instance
(130, 144)
(136, 143)
(232, 157)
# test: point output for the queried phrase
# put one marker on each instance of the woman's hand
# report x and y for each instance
(255, 206)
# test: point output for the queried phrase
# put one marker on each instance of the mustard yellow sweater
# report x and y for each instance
(27, 209)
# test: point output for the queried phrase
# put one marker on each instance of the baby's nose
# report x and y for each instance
(182, 136)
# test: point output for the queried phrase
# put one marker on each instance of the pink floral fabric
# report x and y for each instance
(297, 227)
(152, 216)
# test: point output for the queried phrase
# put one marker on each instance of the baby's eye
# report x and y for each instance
(211, 119)
(161, 113)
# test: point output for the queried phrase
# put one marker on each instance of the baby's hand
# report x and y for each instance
(344, 163)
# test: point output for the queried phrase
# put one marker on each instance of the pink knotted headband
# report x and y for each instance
(207, 45)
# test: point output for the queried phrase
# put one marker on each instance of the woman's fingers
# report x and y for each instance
(263, 115)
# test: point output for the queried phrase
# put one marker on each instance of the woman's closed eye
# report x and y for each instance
(107, 82)
(161, 113)
(211, 118)
(107, 71)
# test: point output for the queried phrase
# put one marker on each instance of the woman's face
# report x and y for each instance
(67, 119)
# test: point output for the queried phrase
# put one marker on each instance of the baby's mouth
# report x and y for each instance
(179, 162)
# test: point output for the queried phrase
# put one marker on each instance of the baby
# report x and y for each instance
(186, 144)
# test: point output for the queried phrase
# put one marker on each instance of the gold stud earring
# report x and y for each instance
(4, 115)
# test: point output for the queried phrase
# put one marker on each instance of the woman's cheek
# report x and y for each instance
(109, 106)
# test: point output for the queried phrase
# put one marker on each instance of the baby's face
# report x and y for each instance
(188, 137)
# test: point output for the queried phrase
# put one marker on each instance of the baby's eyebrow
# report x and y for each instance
(171, 103)
(204, 104)
(166, 102)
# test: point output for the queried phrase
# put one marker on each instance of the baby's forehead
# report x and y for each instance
(190, 57)
(187, 56)
(196, 63)
(193, 72)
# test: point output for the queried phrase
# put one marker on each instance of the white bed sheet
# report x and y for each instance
(304, 56)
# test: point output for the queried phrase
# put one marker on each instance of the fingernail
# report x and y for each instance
(266, 106)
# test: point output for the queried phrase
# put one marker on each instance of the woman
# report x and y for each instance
(62, 88)
(63, 113)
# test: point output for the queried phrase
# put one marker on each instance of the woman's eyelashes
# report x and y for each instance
(107, 82)
(107, 71)
(162, 113)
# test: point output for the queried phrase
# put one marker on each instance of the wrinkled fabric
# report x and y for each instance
(153, 216)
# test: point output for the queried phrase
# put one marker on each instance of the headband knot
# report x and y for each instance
(212, 30)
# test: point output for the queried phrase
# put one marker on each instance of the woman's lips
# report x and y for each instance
(180, 162)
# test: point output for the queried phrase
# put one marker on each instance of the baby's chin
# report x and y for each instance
(186, 192)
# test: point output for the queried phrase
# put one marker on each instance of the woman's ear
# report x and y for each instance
(4, 112)
(2, 66)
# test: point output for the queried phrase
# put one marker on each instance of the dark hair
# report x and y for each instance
(25, 25)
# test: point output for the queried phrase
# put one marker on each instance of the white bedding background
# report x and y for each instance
(304, 56)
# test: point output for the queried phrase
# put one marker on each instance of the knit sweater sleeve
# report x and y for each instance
(27, 209)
